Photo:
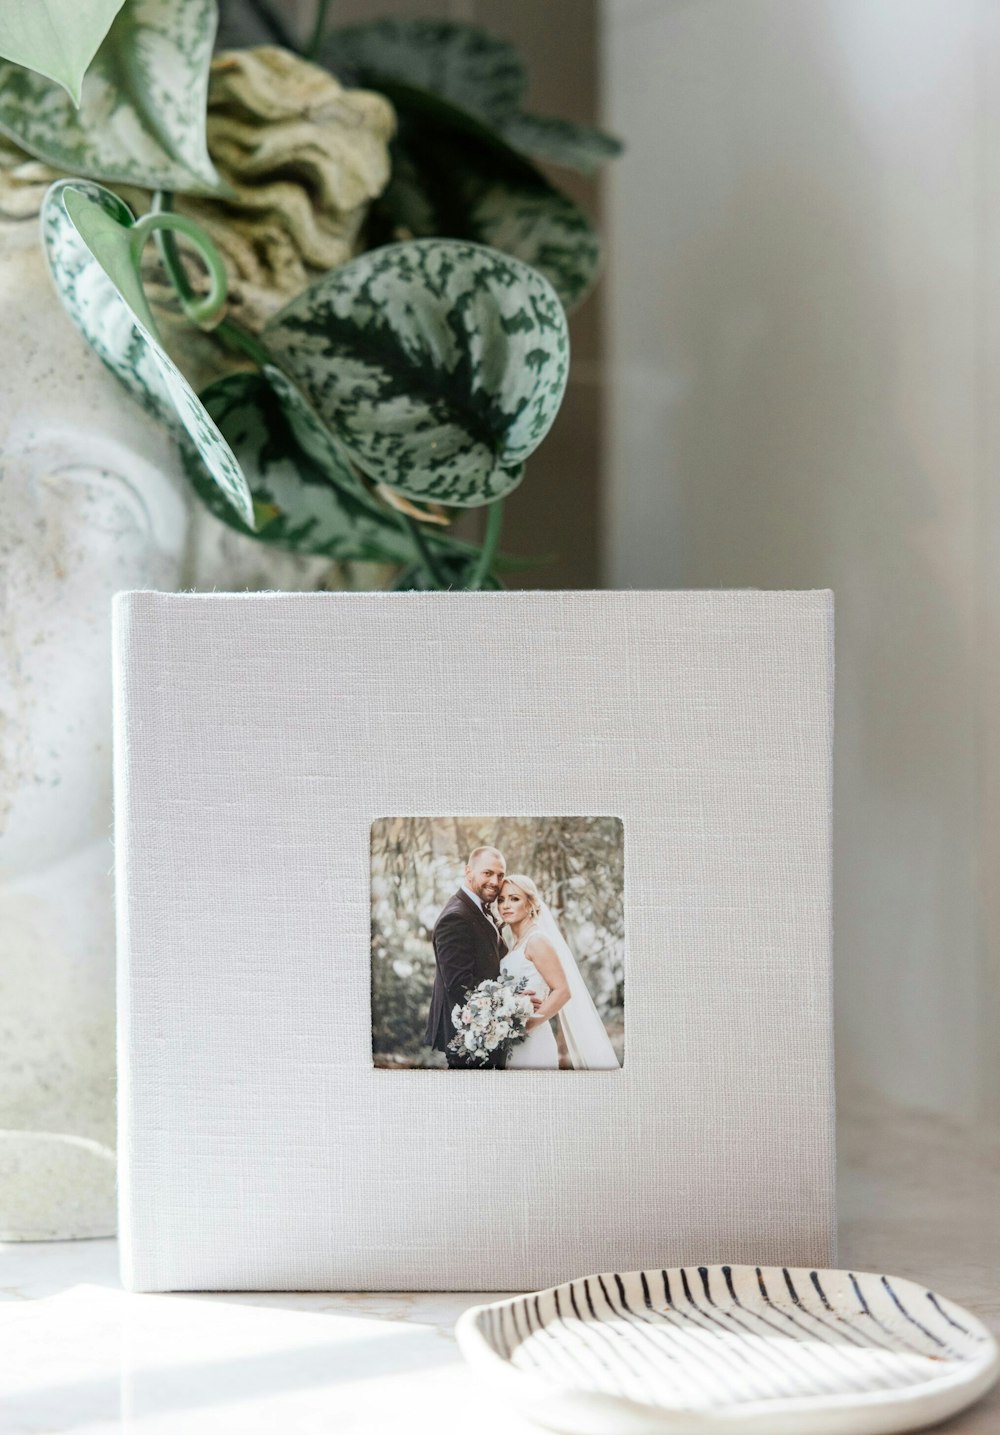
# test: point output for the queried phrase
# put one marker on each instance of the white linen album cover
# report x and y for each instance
(258, 739)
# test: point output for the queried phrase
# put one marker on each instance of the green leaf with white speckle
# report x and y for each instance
(56, 40)
(438, 365)
(85, 232)
(298, 508)
(534, 222)
(143, 102)
(311, 434)
(478, 77)
(305, 498)
(461, 63)
(459, 157)
(454, 176)
(561, 142)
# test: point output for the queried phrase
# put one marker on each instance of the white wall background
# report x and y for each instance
(802, 306)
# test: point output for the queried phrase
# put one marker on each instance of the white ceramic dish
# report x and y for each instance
(749, 1351)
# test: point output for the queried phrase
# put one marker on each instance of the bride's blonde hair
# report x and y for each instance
(528, 888)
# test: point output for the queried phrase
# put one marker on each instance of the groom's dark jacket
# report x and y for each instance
(467, 949)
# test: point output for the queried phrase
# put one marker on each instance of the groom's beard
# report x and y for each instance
(484, 895)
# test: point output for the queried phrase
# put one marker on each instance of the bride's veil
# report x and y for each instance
(587, 1042)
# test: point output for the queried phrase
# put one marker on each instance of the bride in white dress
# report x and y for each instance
(541, 954)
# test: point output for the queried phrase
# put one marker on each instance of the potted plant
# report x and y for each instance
(334, 285)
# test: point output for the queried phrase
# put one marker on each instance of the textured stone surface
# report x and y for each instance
(92, 499)
(304, 158)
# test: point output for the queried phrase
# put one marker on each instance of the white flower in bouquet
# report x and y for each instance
(494, 1015)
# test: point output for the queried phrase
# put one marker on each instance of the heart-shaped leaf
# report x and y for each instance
(560, 142)
(311, 435)
(453, 184)
(143, 101)
(461, 63)
(478, 77)
(456, 172)
(55, 40)
(438, 365)
(543, 229)
(296, 505)
(306, 499)
(86, 231)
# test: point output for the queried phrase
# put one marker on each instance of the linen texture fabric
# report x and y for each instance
(257, 738)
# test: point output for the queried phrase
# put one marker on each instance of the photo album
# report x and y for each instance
(468, 941)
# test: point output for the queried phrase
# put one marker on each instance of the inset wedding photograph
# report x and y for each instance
(498, 943)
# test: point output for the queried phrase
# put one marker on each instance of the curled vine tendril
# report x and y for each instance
(159, 223)
(200, 309)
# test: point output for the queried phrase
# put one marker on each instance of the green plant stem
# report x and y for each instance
(243, 340)
(491, 541)
(166, 246)
(226, 329)
(319, 28)
(161, 222)
(424, 553)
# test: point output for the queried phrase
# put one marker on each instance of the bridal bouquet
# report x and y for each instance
(495, 1015)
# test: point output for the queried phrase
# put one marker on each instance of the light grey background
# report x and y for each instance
(257, 738)
(803, 302)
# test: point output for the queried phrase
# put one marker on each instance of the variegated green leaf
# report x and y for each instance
(142, 112)
(447, 184)
(536, 224)
(560, 142)
(439, 365)
(478, 78)
(55, 38)
(320, 447)
(461, 63)
(311, 434)
(296, 505)
(456, 174)
(85, 230)
(305, 498)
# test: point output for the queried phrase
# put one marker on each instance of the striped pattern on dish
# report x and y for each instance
(739, 1341)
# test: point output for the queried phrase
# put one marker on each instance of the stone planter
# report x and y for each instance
(92, 500)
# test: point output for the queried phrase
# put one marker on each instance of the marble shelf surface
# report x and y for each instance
(77, 1354)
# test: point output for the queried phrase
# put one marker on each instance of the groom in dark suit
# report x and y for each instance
(468, 947)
